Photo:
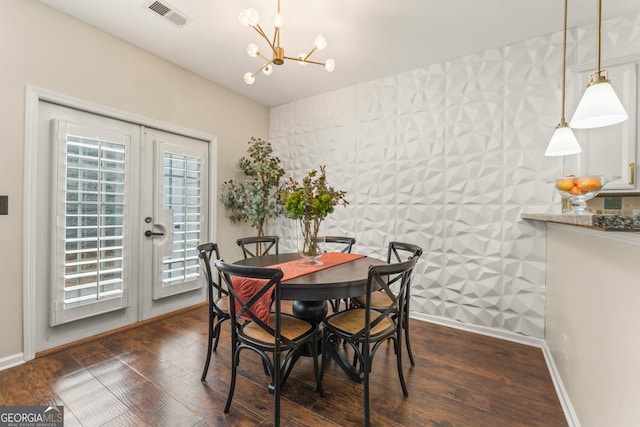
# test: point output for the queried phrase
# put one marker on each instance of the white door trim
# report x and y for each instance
(32, 97)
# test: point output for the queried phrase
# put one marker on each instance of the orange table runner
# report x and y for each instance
(293, 269)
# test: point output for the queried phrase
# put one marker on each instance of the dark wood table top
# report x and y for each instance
(340, 281)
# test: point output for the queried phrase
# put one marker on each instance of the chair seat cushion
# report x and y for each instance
(291, 327)
(223, 304)
(353, 320)
(378, 300)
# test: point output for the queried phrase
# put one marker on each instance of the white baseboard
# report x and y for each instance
(11, 361)
(540, 343)
(570, 415)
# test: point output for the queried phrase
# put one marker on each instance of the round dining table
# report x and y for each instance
(310, 292)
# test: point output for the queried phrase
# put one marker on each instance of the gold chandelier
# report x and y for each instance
(250, 18)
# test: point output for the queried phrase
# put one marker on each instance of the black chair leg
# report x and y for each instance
(232, 385)
(314, 352)
(366, 368)
(325, 353)
(266, 368)
(277, 382)
(397, 343)
(216, 333)
(408, 342)
(209, 351)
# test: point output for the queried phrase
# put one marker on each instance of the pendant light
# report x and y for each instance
(563, 142)
(599, 105)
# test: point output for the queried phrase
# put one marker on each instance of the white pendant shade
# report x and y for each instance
(563, 142)
(598, 107)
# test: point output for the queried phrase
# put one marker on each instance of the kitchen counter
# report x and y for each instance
(604, 222)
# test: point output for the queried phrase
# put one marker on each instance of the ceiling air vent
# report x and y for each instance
(168, 12)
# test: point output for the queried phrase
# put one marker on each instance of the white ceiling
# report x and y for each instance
(367, 38)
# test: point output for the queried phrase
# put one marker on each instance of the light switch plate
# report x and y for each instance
(4, 205)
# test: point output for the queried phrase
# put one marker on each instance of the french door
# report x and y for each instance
(121, 208)
(175, 218)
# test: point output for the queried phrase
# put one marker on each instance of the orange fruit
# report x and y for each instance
(588, 183)
(564, 184)
(577, 191)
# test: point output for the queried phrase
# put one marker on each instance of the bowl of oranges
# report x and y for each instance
(579, 189)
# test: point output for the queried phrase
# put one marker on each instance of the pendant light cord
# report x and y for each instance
(598, 42)
(564, 58)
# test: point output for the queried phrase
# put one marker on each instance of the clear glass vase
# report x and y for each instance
(310, 240)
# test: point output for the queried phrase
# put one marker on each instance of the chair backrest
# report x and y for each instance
(251, 290)
(206, 251)
(399, 251)
(258, 246)
(382, 278)
(338, 243)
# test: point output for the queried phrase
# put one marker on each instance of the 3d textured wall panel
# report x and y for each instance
(448, 157)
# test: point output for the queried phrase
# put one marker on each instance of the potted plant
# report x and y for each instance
(309, 203)
(255, 199)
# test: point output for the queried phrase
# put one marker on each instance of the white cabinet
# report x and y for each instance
(613, 150)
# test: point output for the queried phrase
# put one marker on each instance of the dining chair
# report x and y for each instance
(364, 328)
(263, 245)
(338, 244)
(255, 327)
(218, 299)
(397, 252)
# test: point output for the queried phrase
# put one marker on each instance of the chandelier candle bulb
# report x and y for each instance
(330, 65)
(253, 50)
(320, 42)
(248, 17)
(249, 78)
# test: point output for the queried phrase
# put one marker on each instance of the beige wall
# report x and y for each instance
(48, 50)
(593, 300)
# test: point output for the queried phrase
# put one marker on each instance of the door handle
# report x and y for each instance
(150, 233)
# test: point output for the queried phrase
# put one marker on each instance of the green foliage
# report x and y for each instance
(254, 200)
(314, 199)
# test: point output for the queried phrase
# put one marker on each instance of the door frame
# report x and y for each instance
(32, 98)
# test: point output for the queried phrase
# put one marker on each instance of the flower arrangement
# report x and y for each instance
(310, 203)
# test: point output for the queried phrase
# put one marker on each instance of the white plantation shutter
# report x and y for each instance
(182, 197)
(91, 208)
(182, 180)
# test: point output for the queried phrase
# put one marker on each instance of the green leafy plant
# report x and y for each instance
(310, 203)
(313, 199)
(255, 200)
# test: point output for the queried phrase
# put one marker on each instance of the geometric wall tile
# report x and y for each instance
(448, 157)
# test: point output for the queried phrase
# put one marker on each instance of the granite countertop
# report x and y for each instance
(605, 222)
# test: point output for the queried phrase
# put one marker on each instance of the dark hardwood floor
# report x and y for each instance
(150, 375)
